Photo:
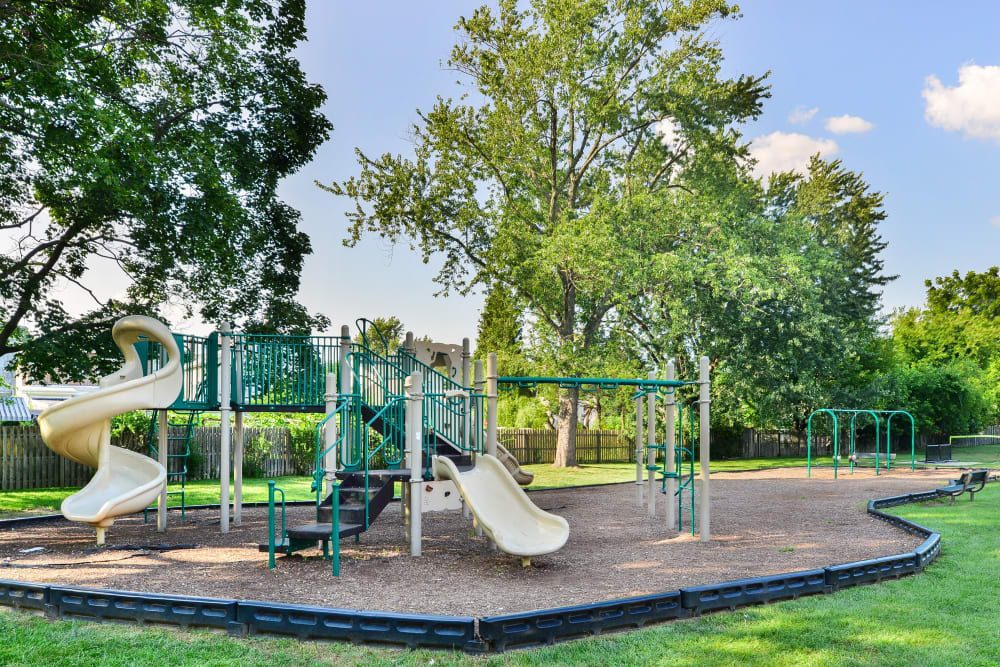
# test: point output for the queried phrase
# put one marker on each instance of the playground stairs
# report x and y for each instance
(364, 492)
(351, 495)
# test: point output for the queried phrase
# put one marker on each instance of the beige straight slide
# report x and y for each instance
(80, 429)
(503, 509)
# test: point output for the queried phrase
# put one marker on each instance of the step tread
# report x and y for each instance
(360, 489)
(393, 473)
(321, 531)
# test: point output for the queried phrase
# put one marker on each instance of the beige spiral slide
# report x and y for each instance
(503, 510)
(80, 429)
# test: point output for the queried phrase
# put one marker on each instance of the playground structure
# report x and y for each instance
(388, 418)
(79, 429)
(853, 454)
(674, 483)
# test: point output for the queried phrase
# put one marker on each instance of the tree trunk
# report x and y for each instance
(566, 442)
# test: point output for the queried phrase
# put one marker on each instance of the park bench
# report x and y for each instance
(971, 481)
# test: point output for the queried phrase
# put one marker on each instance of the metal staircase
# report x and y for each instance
(371, 441)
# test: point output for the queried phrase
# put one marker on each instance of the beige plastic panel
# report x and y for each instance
(80, 428)
(503, 509)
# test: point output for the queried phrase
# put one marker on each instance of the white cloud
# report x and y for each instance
(995, 222)
(848, 124)
(667, 129)
(972, 107)
(780, 151)
(802, 115)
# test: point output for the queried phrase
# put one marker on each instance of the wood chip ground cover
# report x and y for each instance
(764, 522)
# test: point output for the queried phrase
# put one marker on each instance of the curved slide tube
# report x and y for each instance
(80, 429)
(503, 509)
(522, 477)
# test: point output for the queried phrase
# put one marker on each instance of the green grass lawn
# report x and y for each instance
(945, 616)
(202, 492)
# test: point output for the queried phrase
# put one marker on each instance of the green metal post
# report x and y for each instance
(270, 524)
(335, 520)
(836, 448)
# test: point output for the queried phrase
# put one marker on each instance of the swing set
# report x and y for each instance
(877, 415)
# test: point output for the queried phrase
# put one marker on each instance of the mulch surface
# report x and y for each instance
(764, 522)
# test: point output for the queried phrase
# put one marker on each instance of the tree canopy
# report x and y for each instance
(590, 127)
(151, 134)
(959, 327)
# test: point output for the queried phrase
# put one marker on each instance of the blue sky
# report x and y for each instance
(931, 147)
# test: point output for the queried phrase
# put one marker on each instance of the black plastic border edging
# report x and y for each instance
(548, 626)
(495, 633)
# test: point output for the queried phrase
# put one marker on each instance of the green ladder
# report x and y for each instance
(178, 449)
(686, 481)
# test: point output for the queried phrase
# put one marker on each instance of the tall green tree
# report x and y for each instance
(587, 123)
(151, 134)
(501, 330)
(960, 323)
(777, 283)
(385, 335)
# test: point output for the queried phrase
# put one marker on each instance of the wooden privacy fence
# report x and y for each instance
(769, 444)
(27, 463)
(275, 462)
(529, 445)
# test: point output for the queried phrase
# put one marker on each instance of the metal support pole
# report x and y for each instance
(669, 443)
(240, 441)
(478, 385)
(638, 451)
(162, 449)
(466, 362)
(704, 453)
(409, 344)
(491, 403)
(225, 407)
(330, 432)
(347, 387)
(414, 439)
(469, 423)
(650, 441)
(239, 438)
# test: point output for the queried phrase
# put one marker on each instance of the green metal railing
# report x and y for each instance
(282, 373)
(377, 379)
(200, 361)
(353, 437)
(451, 410)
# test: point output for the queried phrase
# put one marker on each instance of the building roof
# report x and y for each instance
(14, 409)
